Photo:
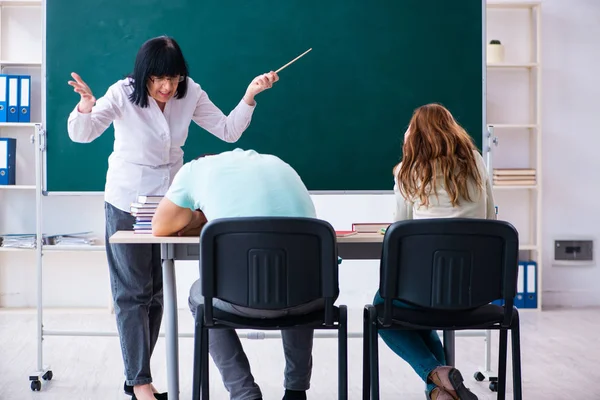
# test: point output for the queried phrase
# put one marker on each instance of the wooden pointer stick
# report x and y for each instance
(293, 60)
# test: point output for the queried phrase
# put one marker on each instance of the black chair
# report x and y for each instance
(268, 263)
(450, 270)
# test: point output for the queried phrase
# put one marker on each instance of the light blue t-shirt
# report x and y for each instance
(241, 183)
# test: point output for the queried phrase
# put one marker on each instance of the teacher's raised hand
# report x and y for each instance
(260, 84)
(87, 98)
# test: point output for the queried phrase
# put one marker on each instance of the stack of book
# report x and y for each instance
(143, 210)
(514, 177)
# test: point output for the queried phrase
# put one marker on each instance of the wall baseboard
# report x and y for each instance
(571, 298)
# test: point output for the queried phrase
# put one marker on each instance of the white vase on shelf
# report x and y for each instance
(495, 52)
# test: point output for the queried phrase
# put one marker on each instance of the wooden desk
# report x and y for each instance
(362, 246)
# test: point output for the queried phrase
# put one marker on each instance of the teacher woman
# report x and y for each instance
(151, 111)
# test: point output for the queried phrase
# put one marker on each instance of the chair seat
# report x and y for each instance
(311, 320)
(483, 317)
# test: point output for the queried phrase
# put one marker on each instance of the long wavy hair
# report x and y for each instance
(437, 147)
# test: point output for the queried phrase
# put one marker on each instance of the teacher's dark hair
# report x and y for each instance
(161, 57)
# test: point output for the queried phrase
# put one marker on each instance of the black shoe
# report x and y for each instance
(127, 389)
(294, 395)
(129, 392)
(159, 396)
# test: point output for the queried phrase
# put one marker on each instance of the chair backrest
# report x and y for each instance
(449, 264)
(268, 262)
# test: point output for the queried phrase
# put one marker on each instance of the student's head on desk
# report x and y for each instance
(436, 146)
(236, 183)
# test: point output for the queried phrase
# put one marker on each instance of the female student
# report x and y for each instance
(151, 111)
(442, 175)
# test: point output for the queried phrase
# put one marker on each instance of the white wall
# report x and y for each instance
(570, 57)
(571, 143)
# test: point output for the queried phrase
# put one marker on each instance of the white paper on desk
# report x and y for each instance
(3, 154)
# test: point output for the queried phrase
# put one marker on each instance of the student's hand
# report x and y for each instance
(195, 225)
(87, 100)
(260, 84)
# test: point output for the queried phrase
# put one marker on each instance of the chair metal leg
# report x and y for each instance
(502, 364)
(343, 354)
(516, 357)
(374, 352)
(204, 360)
(449, 347)
(196, 381)
(366, 386)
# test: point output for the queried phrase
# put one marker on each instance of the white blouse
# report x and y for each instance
(147, 149)
(481, 204)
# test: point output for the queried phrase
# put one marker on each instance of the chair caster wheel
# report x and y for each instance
(47, 376)
(479, 377)
(36, 386)
(494, 386)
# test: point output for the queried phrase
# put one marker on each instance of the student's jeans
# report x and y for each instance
(226, 350)
(422, 349)
(136, 284)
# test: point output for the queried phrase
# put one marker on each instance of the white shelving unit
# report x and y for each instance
(22, 24)
(21, 19)
(513, 125)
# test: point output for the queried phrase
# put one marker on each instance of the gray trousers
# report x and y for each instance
(228, 355)
(136, 284)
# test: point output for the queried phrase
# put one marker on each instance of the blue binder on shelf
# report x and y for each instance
(13, 99)
(531, 298)
(8, 148)
(3, 97)
(24, 98)
(519, 300)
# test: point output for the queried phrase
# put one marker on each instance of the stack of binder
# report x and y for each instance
(143, 210)
(514, 176)
(15, 98)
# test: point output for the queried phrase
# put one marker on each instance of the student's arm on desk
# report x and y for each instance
(170, 219)
(174, 214)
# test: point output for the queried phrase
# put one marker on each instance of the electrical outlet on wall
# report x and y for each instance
(574, 252)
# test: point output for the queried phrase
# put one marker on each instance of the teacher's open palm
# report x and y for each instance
(87, 98)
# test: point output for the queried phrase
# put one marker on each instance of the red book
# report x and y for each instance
(344, 233)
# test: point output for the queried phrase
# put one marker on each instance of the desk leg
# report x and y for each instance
(171, 329)
(449, 348)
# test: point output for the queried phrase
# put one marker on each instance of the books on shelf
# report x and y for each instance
(143, 210)
(514, 176)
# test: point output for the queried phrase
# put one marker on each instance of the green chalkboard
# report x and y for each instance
(337, 115)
